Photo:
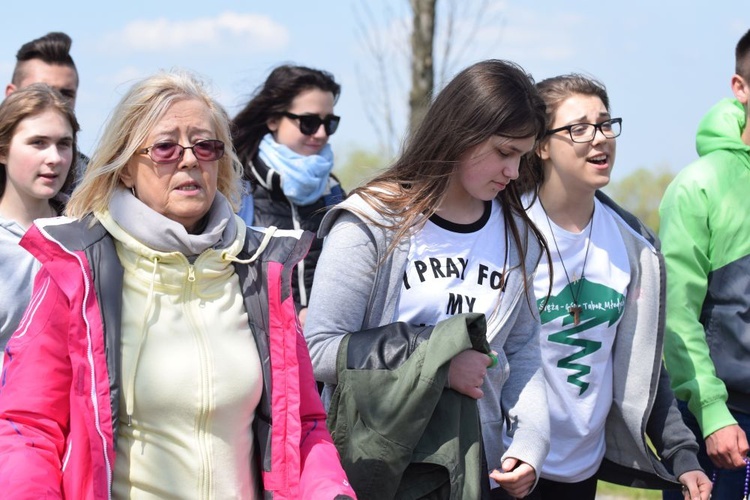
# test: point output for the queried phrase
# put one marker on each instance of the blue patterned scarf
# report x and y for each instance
(303, 178)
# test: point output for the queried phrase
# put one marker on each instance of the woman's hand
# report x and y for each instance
(695, 485)
(467, 371)
(516, 477)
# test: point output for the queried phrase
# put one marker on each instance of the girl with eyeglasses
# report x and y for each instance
(281, 137)
(612, 413)
(37, 144)
(439, 234)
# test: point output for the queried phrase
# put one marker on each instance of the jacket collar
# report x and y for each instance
(630, 220)
(266, 177)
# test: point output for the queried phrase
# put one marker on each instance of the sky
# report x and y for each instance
(664, 63)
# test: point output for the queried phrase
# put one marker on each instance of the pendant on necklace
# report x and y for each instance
(575, 311)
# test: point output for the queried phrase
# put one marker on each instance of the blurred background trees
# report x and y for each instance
(411, 50)
(640, 192)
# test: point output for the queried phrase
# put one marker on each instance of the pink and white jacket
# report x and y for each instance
(60, 387)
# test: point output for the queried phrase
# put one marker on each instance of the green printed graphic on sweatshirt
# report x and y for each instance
(600, 305)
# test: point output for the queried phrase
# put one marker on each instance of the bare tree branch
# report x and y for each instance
(422, 71)
(449, 26)
(382, 27)
(462, 21)
(377, 95)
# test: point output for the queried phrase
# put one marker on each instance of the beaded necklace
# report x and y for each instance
(746, 491)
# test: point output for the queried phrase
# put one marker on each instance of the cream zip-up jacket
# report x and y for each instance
(181, 374)
(62, 386)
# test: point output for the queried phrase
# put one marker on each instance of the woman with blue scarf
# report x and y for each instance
(281, 137)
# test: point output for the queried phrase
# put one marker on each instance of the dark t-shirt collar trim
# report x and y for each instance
(464, 228)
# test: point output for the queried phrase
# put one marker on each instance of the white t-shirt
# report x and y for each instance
(577, 360)
(455, 268)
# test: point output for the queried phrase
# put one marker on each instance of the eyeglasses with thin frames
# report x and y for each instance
(171, 152)
(585, 132)
(309, 124)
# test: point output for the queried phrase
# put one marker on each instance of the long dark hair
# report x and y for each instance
(270, 100)
(489, 98)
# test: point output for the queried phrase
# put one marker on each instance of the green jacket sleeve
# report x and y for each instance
(685, 236)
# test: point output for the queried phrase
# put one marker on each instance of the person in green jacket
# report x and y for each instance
(704, 233)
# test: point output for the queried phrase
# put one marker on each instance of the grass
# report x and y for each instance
(614, 491)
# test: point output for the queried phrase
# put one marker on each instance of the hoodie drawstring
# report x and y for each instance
(130, 386)
(267, 235)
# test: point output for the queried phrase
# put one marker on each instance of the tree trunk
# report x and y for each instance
(422, 73)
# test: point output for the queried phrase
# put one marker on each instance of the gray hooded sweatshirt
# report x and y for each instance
(356, 288)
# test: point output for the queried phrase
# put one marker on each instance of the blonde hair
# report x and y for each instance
(131, 121)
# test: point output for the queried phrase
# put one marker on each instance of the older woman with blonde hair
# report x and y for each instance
(162, 330)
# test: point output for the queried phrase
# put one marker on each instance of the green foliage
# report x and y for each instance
(359, 164)
(641, 193)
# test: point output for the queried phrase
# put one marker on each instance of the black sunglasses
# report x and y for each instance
(309, 124)
(170, 152)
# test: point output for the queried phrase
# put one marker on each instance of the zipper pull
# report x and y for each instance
(191, 273)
